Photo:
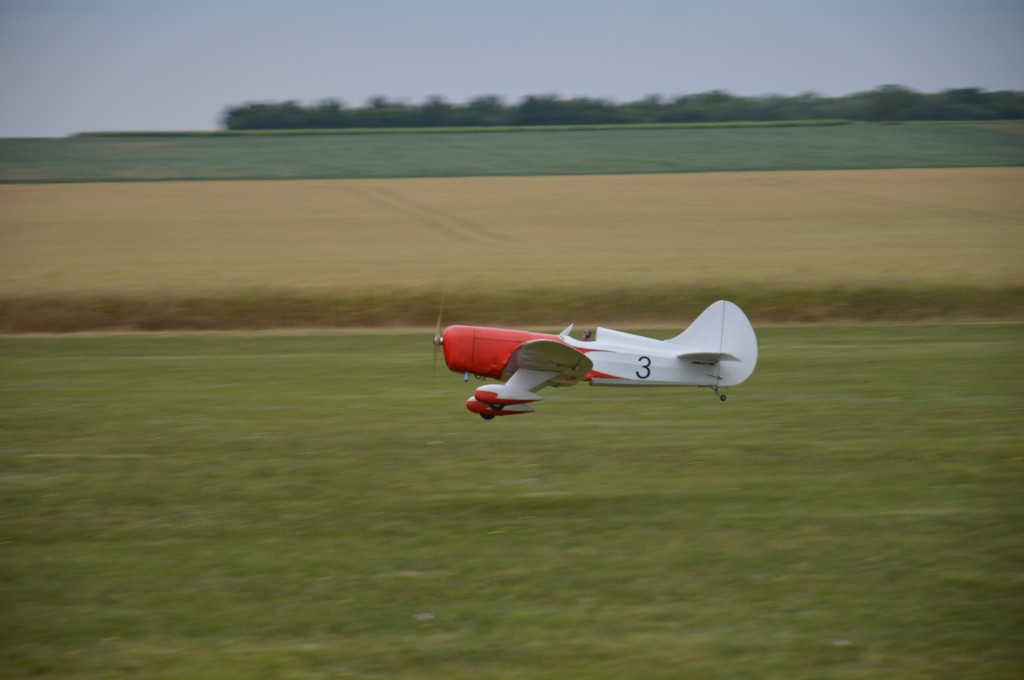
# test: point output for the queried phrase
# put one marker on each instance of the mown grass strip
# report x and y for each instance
(524, 307)
(321, 505)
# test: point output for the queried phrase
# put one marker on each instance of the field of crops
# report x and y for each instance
(902, 244)
(524, 153)
(317, 506)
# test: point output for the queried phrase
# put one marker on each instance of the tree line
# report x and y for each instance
(885, 103)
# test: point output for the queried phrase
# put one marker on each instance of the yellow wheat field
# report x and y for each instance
(877, 227)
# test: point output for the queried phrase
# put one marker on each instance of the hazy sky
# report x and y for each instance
(83, 65)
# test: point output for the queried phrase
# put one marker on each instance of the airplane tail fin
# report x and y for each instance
(721, 335)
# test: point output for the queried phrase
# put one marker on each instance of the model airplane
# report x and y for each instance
(718, 350)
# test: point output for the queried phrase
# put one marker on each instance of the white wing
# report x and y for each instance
(566, 365)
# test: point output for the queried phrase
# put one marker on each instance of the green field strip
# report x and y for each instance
(527, 153)
(469, 129)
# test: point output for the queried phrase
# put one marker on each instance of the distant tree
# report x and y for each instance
(968, 103)
(436, 112)
(650, 109)
(1005, 105)
(586, 111)
(542, 109)
(805, 106)
(383, 113)
(328, 114)
(891, 102)
(486, 110)
(682, 110)
(885, 103)
(269, 116)
(718, 106)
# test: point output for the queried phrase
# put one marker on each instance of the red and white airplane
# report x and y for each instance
(718, 350)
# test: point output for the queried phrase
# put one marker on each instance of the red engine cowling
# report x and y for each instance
(484, 351)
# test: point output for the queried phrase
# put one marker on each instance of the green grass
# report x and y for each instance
(454, 154)
(471, 129)
(294, 506)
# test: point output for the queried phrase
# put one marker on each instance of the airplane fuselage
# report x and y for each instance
(618, 358)
(718, 350)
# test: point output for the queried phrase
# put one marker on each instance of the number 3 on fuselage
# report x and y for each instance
(719, 349)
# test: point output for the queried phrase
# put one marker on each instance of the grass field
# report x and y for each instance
(511, 153)
(316, 505)
(942, 243)
(487, 129)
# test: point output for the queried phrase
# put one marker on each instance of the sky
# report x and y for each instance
(70, 66)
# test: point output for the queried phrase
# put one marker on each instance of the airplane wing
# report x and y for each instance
(533, 365)
(567, 365)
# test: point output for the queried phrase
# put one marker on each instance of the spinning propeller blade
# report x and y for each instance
(438, 338)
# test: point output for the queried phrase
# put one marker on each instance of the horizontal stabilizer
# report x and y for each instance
(708, 357)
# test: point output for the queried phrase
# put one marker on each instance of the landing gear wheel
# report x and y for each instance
(722, 397)
(497, 407)
(487, 416)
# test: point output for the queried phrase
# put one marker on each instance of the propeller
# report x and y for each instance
(438, 337)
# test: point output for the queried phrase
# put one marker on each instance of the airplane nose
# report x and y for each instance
(438, 343)
(457, 343)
